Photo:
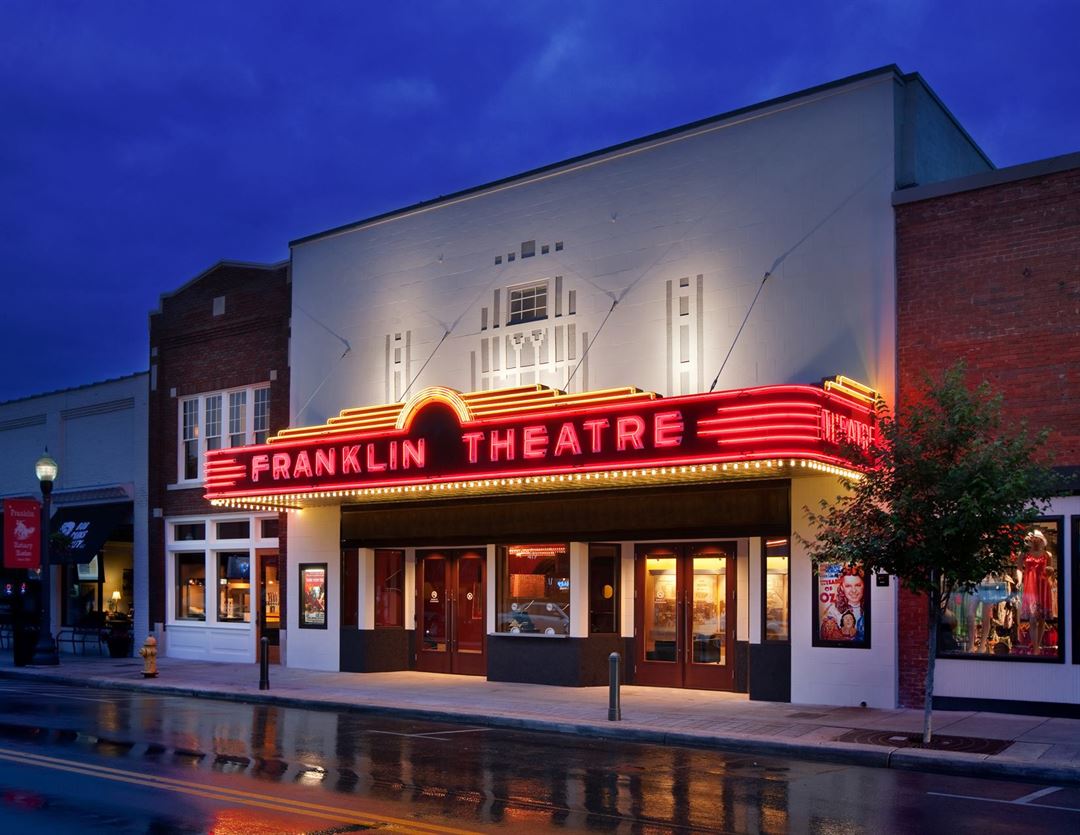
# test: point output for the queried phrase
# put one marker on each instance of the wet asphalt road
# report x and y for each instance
(89, 760)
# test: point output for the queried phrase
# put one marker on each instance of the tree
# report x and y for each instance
(943, 498)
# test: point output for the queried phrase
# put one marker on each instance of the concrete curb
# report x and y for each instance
(906, 759)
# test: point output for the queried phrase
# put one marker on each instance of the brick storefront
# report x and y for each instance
(227, 328)
(988, 271)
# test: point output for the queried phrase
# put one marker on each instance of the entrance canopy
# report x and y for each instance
(444, 444)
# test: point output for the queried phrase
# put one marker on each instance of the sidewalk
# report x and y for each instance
(1042, 749)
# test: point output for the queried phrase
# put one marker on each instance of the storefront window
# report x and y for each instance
(313, 596)
(190, 532)
(777, 558)
(534, 589)
(603, 589)
(1015, 614)
(389, 588)
(234, 530)
(234, 587)
(84, 589)
(191, 586)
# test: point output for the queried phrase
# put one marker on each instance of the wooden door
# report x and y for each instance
(450, 612)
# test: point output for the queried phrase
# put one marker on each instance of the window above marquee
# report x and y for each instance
(217, 420)
(528, 302)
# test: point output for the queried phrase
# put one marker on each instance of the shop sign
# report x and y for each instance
(22, 533)
(438, 439)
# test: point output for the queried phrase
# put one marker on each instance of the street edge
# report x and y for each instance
(905, 759)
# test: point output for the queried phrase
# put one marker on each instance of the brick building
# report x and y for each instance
(219, 377)
(988, 271)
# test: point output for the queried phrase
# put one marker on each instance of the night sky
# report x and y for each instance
(141, 142)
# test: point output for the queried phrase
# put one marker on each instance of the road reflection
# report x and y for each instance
(527, 780)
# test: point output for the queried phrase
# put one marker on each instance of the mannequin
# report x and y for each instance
(1037, 600)
(988, 594)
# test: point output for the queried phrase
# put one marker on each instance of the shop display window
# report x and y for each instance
(603, 589)
(234, 587)
(269, 528)
(534, 589)
(313, 596)
(83, 582)
(777, 601)
(191, 586)
(389, 588)
(1016, 614)
(841, 605)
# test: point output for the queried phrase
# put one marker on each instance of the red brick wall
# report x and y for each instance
(992, 276)
(194, 351)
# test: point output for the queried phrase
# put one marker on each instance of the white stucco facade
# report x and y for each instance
(648, 256)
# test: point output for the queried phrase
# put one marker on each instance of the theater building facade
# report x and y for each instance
(583, 409)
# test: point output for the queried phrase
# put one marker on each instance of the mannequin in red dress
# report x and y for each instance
(1037, 601)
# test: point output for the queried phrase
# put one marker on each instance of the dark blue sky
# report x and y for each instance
(140, 142)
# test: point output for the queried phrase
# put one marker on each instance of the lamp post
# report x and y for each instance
(45, 652)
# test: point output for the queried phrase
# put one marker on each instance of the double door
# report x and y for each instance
(450, 586)
(685, 615)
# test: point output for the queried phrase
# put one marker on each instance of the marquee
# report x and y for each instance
(443, 443)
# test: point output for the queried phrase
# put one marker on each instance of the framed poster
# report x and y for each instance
(841, 606)
(313, 596)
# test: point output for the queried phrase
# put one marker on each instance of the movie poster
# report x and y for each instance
(841, 606)
(313, 596)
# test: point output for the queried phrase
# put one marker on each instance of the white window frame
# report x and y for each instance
(211, 547)
(224, 424)
(532, 315)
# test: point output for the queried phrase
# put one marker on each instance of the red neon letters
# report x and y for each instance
(769, 422)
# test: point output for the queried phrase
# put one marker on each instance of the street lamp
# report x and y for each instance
(45, 652)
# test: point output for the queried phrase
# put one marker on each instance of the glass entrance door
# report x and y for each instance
(685, 618)
(269, 618)
(450, 611)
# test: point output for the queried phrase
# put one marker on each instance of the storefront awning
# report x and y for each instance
(87, 528)
(444, 444)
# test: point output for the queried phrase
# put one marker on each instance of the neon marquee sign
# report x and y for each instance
(442, 436)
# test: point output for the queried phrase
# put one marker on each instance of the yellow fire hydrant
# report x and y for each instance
(149, 657)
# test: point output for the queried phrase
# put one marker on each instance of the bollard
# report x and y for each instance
(264, 663)
(614, 711)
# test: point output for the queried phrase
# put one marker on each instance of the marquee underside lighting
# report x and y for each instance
(443, 444)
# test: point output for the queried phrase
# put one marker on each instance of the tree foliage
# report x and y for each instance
(945, 495)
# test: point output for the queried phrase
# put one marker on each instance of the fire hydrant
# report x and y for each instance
(149, 657)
